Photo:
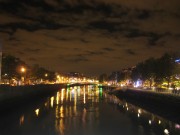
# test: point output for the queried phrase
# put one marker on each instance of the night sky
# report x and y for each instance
(89, 36)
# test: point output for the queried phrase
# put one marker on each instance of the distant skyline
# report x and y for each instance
(90, 37)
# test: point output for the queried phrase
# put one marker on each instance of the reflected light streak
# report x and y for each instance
(70, 95)
(57, 111)
(21, 120)
(57, 98)
(37, 112)
(84, 97)
(97, 92)
(79, 90)
(84, 116)
(67, 95)
(52, 101)
(62, 127)
(61, 112)
(62, 95)
(75, 97)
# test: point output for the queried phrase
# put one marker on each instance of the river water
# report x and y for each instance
(84, 110)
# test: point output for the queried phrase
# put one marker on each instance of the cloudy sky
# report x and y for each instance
(89, 36)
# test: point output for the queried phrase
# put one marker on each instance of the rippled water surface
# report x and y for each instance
(84, 110)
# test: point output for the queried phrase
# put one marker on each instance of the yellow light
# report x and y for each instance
(23, 69)
(84, 97)
(52, 101)
(62, 112)
(139, 111)
(57, 98)
(37, 112)
(62, 95)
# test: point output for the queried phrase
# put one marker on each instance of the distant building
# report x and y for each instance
(75, 74)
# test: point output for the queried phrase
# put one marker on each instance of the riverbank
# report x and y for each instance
(12, 97)
(165, 105)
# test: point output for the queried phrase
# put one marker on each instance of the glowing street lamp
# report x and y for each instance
(46, 75)
(23, 70)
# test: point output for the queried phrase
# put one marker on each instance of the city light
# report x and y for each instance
(52, 101)
(23, 70)
(150, 122)
(178, 60)
(159, 122)
(37, 112)
(166, 131)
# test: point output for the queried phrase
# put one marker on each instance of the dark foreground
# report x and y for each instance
(83, 110)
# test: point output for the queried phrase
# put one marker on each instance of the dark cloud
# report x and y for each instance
(30, 50)
(111, 27)
(86, 32)
(151, 37)
(33, 59)
(21, 53)
(78, 59)
(31, 27)
(84, 40)
(11, 38)
(108, 49)
(130, 52)
(143, 14)
(91, 53)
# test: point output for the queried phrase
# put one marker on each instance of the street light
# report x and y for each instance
(23, 70)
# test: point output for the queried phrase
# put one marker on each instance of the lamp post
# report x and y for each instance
(23, 70)
(46, 79)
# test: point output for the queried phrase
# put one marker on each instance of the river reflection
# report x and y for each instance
(85, 110)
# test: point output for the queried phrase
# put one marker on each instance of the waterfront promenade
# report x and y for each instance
(163, 103)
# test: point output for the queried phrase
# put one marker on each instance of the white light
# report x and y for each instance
(150, 122)
(159, 122)
(166, 131)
